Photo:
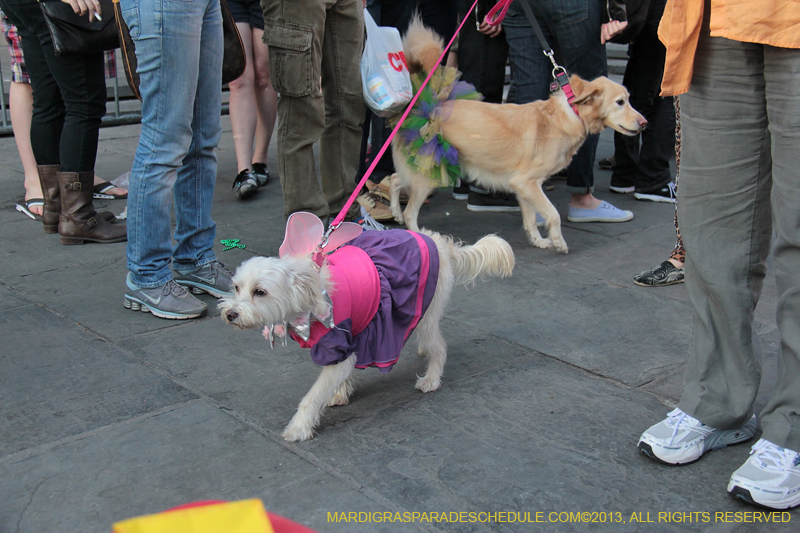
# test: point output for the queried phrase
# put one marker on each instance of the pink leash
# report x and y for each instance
(503, 4)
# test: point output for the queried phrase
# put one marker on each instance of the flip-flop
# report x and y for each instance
(25, 207)
(101, 191)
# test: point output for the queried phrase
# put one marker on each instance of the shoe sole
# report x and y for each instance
(741, 493)
(493, 209)
(713, 443)
(599, 219)
(460, 196)
(621, 190)
(653, 198)
(246, 191)
(84, 240)
(134, 304)
(198, 288)
(657, 284)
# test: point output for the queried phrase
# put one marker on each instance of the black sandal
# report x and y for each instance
(24, 207)
(261, 173)
(245, 184)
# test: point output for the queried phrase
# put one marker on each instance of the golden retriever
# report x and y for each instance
(509, 147)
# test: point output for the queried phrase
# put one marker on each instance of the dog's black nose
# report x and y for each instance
(231, 315)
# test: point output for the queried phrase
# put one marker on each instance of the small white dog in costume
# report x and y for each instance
(356, 301)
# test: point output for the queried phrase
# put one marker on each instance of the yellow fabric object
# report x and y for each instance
(247, 516)
(772, 22)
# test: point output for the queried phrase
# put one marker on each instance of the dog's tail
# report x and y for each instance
(421, 46)
(490, 256)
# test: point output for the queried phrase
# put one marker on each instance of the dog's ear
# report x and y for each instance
(585, 91)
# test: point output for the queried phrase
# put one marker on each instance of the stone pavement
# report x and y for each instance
(552, 375)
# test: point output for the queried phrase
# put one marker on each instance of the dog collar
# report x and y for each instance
(562, 81)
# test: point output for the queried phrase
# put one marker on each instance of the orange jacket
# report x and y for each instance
(772, 22)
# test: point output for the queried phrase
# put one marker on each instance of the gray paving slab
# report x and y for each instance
(58, 380)
(552, 375)
(193, 452)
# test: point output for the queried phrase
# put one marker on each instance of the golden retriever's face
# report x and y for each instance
(605, 103)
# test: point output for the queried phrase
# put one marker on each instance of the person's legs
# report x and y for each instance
(266, 97)
(20, 103)
(572, 29)
(168, 42)
(724, 204)
(47, 119)
(780, 419)
(243, 103)
(575, 29)
(344, 101)
(194, 188)
(294, 33)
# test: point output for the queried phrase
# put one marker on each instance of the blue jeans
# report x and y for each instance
(179, 49)
(572, 29)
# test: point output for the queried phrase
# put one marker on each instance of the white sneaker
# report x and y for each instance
(770, 477)
(680, 439)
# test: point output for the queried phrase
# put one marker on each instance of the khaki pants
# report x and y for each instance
(740, 183)
(314, 52)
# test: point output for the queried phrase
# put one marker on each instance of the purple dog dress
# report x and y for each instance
(383, 282)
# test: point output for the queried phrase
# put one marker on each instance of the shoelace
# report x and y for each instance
(369, 223)
(772, 456)
(671, 186)
(220, 267)
(678, 417)
(175, 288)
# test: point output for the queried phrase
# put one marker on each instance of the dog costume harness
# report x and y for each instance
(382, 284)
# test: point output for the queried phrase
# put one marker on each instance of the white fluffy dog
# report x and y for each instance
(270, 290)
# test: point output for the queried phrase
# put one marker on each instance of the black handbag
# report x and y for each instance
(234, 60)
(73, 34)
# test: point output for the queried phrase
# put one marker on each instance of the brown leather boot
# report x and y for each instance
(78, 221)
(48, 178)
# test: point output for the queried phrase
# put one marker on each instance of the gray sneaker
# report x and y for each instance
(213, 278)
(169, 300)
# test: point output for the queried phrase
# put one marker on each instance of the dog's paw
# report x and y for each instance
(338, 399)
(398, 216)
(427, 385)
(297, 432)
(560, 245)
(542, 243)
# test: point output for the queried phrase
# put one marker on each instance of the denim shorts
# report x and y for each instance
(247, 11)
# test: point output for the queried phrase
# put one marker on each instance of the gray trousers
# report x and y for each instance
(314, 52)
(740, 181)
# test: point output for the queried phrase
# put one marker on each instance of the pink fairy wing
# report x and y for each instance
(345, 233)
(304, 232)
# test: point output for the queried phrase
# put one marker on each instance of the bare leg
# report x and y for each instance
(20, 103)
(302, 425)
(243, 103)
(265, 97)
(584, 201)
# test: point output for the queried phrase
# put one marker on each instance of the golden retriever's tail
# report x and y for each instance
(490, 256)
(422, 47)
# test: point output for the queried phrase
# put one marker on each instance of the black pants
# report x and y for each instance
(69, 93)
(482, 59)
(646, 168)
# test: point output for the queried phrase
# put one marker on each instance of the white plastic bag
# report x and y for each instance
(384, 74)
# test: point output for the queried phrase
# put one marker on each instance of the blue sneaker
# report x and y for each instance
(605, 212)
